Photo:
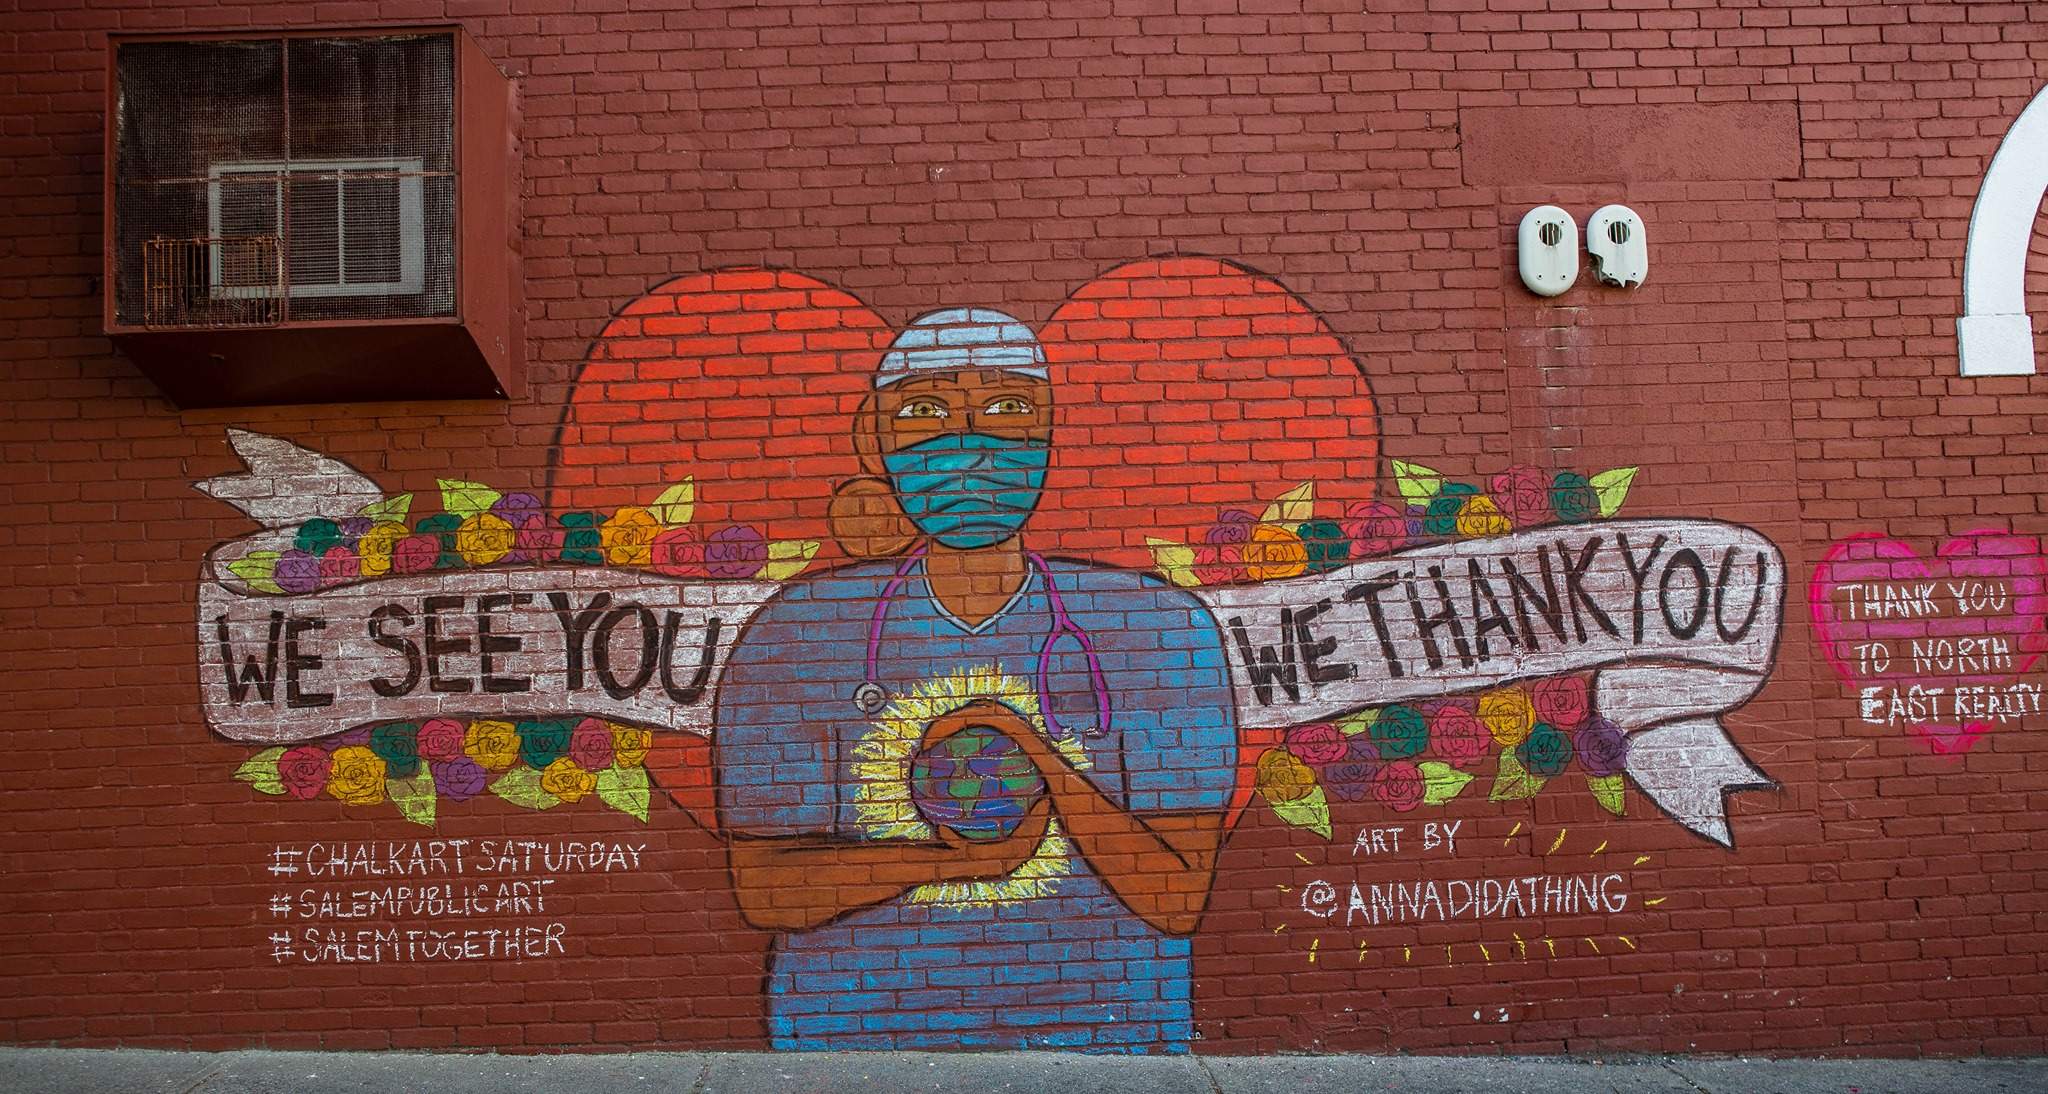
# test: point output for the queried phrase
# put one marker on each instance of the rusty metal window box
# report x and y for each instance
(313, 216)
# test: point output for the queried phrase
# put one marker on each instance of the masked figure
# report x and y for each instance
(979, 792)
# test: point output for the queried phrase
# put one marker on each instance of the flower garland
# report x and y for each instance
(1400, 757)
(535, 764)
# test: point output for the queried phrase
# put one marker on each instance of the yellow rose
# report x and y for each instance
(1508, 715)
(357, 776)
(567, 781)
(493, 745)
(629, 536)
(1282, 778)
(1274, 552)
(629, 744)
(484, 539)
(374, 550)
(1481, 517)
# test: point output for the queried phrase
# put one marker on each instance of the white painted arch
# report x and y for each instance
(1994, 336)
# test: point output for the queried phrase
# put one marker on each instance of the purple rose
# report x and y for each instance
(1351, 782)
(458, 780)
(517, 506)
(1359, 749)
(738, 551)
(353, 528)
(296, 572)
(1602, 748)
(532, 538)
(1232, 526)
(1317, 743)
(590, 745)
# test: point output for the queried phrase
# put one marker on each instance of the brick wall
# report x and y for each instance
(1341, 189)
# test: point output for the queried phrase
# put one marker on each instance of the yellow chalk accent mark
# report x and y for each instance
(1511, 834)
(1486, 953)
(1597, 850)
(1405, 953)
(1312, 944)
(1552, 946)
(1303, 858)
(1595, 945)
(1559, 842)
(1280, 928)
(1521, 947)
(1654, 903)
(1625, 938)
(1640, 859)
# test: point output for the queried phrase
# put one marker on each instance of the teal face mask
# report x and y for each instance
(969, 490)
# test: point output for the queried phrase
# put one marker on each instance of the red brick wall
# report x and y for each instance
(1805, 172)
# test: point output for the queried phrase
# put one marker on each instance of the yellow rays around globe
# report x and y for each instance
(881, 767)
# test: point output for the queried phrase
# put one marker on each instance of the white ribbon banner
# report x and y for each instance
(1679, 617)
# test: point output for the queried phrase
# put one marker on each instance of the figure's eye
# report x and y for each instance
(1008, 404)
(922, 408)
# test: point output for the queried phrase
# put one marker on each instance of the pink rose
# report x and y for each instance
(1457, 735)
(1375, 528)
(1319, 743)
(678, 552)
(440, 739)
(1219, 564)
(1398, 786)
(339, 564)
(1523, 494)
(1563, 701)
(303, 770)
(590, 745)
(415, 554)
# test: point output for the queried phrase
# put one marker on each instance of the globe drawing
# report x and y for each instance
(977, 782)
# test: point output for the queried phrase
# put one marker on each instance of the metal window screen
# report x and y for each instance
(339, 151)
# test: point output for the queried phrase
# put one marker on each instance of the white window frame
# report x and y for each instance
(411, 227)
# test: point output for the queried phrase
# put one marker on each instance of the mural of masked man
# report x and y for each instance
(978, 791)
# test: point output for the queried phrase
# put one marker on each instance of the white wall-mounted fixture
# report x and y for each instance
(1619, 246)
(1994, 337)
(1547, 249)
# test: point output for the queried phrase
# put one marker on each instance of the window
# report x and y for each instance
(352, 227)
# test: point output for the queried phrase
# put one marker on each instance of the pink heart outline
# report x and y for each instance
(2014, 559)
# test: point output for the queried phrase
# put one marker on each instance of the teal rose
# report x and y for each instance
(398, 746)
(582, 542)
(1573, 499)
(1328, 546)
(1400, 733)
(1545, 752)
(443, 526)
(316, 536)
(542, 743)
(1441, 518)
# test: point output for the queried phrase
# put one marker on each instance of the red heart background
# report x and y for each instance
(1182, 387)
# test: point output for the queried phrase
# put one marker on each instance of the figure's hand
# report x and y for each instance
(989, 712)
(990, 858)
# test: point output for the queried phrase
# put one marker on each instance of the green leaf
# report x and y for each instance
(414, 797)
(255, 569)
(787, 558)
(466, 499)
(624, 789)
(260, 771)
(1174, 561)
(1514, 782)
(1441, 782)
(1418, 483)
(1607, 789)
(394, 510)
(676, 504)
(1297, 506)
(1357, 722)
(1312, 812)
(1611, 487)
(521, 787)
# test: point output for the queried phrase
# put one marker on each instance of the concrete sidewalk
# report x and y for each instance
(62, 1071)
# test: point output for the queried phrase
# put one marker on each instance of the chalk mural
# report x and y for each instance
(976, 786)
(1937, 646)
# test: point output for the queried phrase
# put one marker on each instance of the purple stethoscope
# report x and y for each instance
(871, 696)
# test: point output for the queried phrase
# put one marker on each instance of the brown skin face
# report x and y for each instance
(1159, 865)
